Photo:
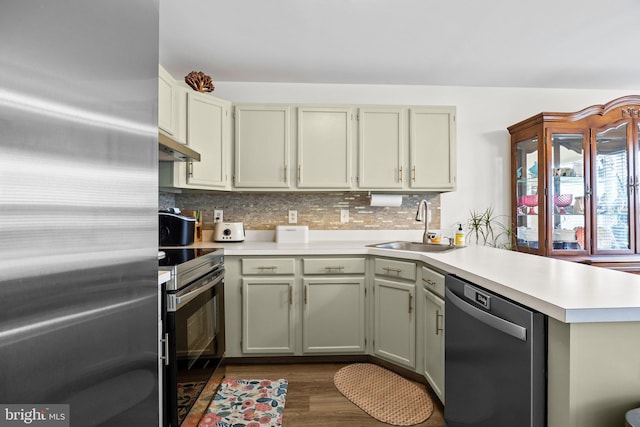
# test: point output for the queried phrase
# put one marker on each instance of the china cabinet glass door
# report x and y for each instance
(613, 184)
(528, 204)
(568, 192)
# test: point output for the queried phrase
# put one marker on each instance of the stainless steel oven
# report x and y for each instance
(193, 326)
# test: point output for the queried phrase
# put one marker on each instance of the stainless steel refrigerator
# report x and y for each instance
(78, 209)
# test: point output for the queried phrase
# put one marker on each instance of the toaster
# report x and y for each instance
(176, 229)
(228, 232)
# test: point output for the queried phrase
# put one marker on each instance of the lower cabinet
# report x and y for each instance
(394, 329)
(268, 317)
(333, 315)
(279, 305)
(433, 351)
(295, 305)
(433, 329)
(395, 325)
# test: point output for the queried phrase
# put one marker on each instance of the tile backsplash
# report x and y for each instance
(320, 211)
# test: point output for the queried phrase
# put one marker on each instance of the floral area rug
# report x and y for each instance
(187, 395)
(247, 403)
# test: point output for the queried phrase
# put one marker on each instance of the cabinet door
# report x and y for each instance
(207, 133)
(613, 185)
(432, 148)
(380, 148)
(166, 102)
(267, 315)
(324, 147)
(394, 324)
(434, 341)
(333, 319)
(528, 201)
(568, 204)
(261, 146)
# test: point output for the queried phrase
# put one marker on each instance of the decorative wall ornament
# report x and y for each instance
(199, 81)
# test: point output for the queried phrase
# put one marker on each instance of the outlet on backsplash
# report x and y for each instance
(293, 217)
(217, 216)
(344, 215)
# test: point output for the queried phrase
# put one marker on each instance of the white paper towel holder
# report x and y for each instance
(390, 200)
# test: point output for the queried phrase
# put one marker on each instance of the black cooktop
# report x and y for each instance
(177, 256)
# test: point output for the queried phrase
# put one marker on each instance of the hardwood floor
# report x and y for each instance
(313, 400)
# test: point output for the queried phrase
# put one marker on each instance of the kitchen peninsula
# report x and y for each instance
(593, 361)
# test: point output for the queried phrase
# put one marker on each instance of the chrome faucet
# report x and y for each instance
(423, 215)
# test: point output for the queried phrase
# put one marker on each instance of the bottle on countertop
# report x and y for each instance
(459, 236)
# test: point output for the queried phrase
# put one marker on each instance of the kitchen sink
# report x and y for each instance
(414, 246)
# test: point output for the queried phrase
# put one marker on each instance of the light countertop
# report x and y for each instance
(567, 291)
(163, 276)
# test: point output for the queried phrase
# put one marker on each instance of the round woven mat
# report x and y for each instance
(383, 394)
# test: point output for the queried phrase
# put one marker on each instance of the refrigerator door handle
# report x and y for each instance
(494, 322)
(165, 356)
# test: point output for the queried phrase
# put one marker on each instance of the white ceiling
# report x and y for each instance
(587, 44)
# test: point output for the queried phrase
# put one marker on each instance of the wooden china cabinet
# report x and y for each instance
(575, 186)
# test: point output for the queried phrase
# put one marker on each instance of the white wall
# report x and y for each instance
(483, 117)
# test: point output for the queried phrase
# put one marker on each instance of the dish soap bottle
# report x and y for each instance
(459, 236)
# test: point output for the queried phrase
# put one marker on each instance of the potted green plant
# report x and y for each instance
(488, 229)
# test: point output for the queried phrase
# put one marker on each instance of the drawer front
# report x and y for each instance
(268, 266)
(333, 265)
(397, 269)
(433, 281)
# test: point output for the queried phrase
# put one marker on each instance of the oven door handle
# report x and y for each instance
(183, 299)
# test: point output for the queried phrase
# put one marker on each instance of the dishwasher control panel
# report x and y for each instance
(478, 297)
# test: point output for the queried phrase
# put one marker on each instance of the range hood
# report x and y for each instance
(171, 150)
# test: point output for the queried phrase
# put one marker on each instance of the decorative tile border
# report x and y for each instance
(320, 211)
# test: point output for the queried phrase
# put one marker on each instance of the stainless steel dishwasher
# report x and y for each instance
(495, 360)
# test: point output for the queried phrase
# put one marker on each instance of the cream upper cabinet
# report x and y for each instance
(381, 147)
(208, 133)
(262, 146)
(204, 123)
(166, 102)
(432, 139)
(324, 148)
